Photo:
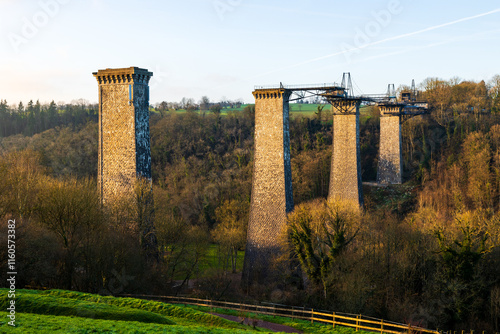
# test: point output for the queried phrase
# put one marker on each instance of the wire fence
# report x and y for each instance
(359, 322)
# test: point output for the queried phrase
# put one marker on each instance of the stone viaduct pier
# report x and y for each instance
(392, 115)
(272, 197)
(124, 161)
(390, 162)
(345, 175)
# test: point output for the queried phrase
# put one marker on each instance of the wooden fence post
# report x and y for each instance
(357, 322)
(312, 316)
(333, 320)
(382, 326)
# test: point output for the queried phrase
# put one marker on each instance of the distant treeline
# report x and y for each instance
(35, 117)
(456, 95)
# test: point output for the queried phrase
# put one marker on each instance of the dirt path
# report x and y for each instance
(259, 323)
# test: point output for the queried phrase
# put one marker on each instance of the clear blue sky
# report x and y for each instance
(222, 48)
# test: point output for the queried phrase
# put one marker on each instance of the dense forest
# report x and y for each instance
(425, 252)
(36, 118)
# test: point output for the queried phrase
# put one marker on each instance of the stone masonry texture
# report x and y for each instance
(390, 168)
(124, 140)
(272, 196)
(345, 177)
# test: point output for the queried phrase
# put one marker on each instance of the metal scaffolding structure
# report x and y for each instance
(334, 93)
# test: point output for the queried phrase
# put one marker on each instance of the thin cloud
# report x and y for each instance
(411, 49)
(416, 48)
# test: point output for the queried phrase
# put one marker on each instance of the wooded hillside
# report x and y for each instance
(425, 251)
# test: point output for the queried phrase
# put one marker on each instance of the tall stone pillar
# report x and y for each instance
(272, 196)
(390, 162)
(124, 140)
(124, 165)
(345, 177)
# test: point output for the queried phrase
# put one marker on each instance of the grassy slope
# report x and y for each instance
(53, 305)
(58, 311)
(35, 323)
(68, 309)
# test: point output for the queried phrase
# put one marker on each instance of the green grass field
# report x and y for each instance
(224, 111)
(58, 311)
(305, 109)
(74, 312)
